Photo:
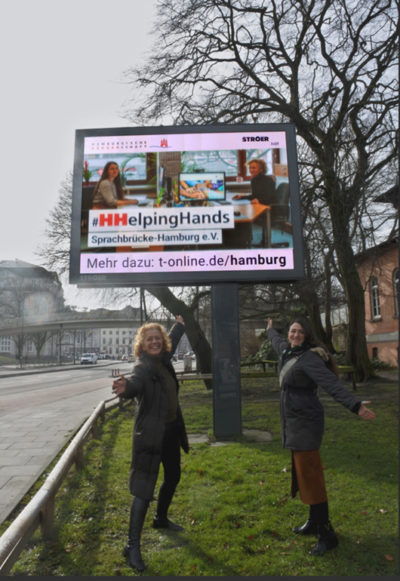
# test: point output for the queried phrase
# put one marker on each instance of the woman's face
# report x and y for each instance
(112, 172)
(254, 169)
(296, 335)
(152, 342)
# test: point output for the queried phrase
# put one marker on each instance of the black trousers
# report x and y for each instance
(171, 461)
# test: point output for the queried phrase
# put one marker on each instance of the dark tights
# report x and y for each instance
(319, 513)
(171, 461)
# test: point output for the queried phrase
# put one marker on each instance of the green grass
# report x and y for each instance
(233, 499)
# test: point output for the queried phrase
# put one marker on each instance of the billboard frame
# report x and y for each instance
(171, 278)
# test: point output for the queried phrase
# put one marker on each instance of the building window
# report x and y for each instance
(198, 161)
(5, 344)
(396, 290)
(374, 298)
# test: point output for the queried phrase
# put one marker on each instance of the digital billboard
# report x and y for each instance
(180, 205)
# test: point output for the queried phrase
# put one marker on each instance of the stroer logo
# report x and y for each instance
(255, 138)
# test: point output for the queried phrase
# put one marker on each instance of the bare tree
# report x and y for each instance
(329, 66)
(13, 293)
(39, 339)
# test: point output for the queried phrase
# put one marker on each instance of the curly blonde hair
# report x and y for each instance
(140, 335)
(261, 164)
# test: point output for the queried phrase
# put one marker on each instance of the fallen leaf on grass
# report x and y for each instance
(382, 510)
(364, 512)
(388, 557)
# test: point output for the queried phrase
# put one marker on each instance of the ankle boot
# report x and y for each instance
(165, 523)
(327, 539)
(132, 548)
(308, 528)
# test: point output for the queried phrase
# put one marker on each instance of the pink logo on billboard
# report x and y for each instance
(164, 142)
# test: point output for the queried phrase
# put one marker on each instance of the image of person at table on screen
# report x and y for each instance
(109, 192)
(262, 186)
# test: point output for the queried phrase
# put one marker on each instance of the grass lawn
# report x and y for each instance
(233, 499)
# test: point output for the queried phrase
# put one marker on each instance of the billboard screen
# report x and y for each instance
(186, 205)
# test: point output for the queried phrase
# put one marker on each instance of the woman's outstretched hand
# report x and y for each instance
(365, 413)
(179, 319)
(119, 385)
(269, 323)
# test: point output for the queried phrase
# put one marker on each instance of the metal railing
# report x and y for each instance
(40, 510)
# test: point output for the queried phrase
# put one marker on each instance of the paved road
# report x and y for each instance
(38, 415)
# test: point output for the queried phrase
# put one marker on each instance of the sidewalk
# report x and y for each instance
(30, 441)
(30, 368)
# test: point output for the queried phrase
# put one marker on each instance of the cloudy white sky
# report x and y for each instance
(62, 66)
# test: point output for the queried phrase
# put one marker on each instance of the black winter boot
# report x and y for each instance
(132, 548)
(308, 528)
(317, 513)
(161, 520)
(327, 539)
(165, 523)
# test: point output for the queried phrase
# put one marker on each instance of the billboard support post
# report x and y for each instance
(226, 359)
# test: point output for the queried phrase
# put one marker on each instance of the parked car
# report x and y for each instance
(89, 358)
(189, 355)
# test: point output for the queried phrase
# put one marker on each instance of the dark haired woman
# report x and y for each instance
(303, 366)
(262, 191)
(108, 192)
(159, 429)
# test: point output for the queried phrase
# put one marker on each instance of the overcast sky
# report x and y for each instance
(62, 65)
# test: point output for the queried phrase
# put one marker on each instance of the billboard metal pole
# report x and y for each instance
(226, 359)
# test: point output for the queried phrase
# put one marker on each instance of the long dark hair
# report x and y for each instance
(117, 181)
(312, 342)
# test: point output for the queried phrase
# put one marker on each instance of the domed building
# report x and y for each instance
(27, 290)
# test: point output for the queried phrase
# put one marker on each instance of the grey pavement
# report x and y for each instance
(30, 440)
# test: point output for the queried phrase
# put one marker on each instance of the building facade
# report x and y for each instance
(31, 293)
(378, 268)
(26, 290)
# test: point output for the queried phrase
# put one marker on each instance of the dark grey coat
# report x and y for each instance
(147, 386)
(302, 414)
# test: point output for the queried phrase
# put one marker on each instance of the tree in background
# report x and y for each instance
(328, 66)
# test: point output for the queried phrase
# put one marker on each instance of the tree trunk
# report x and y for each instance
(197, 338)
(356, 344)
